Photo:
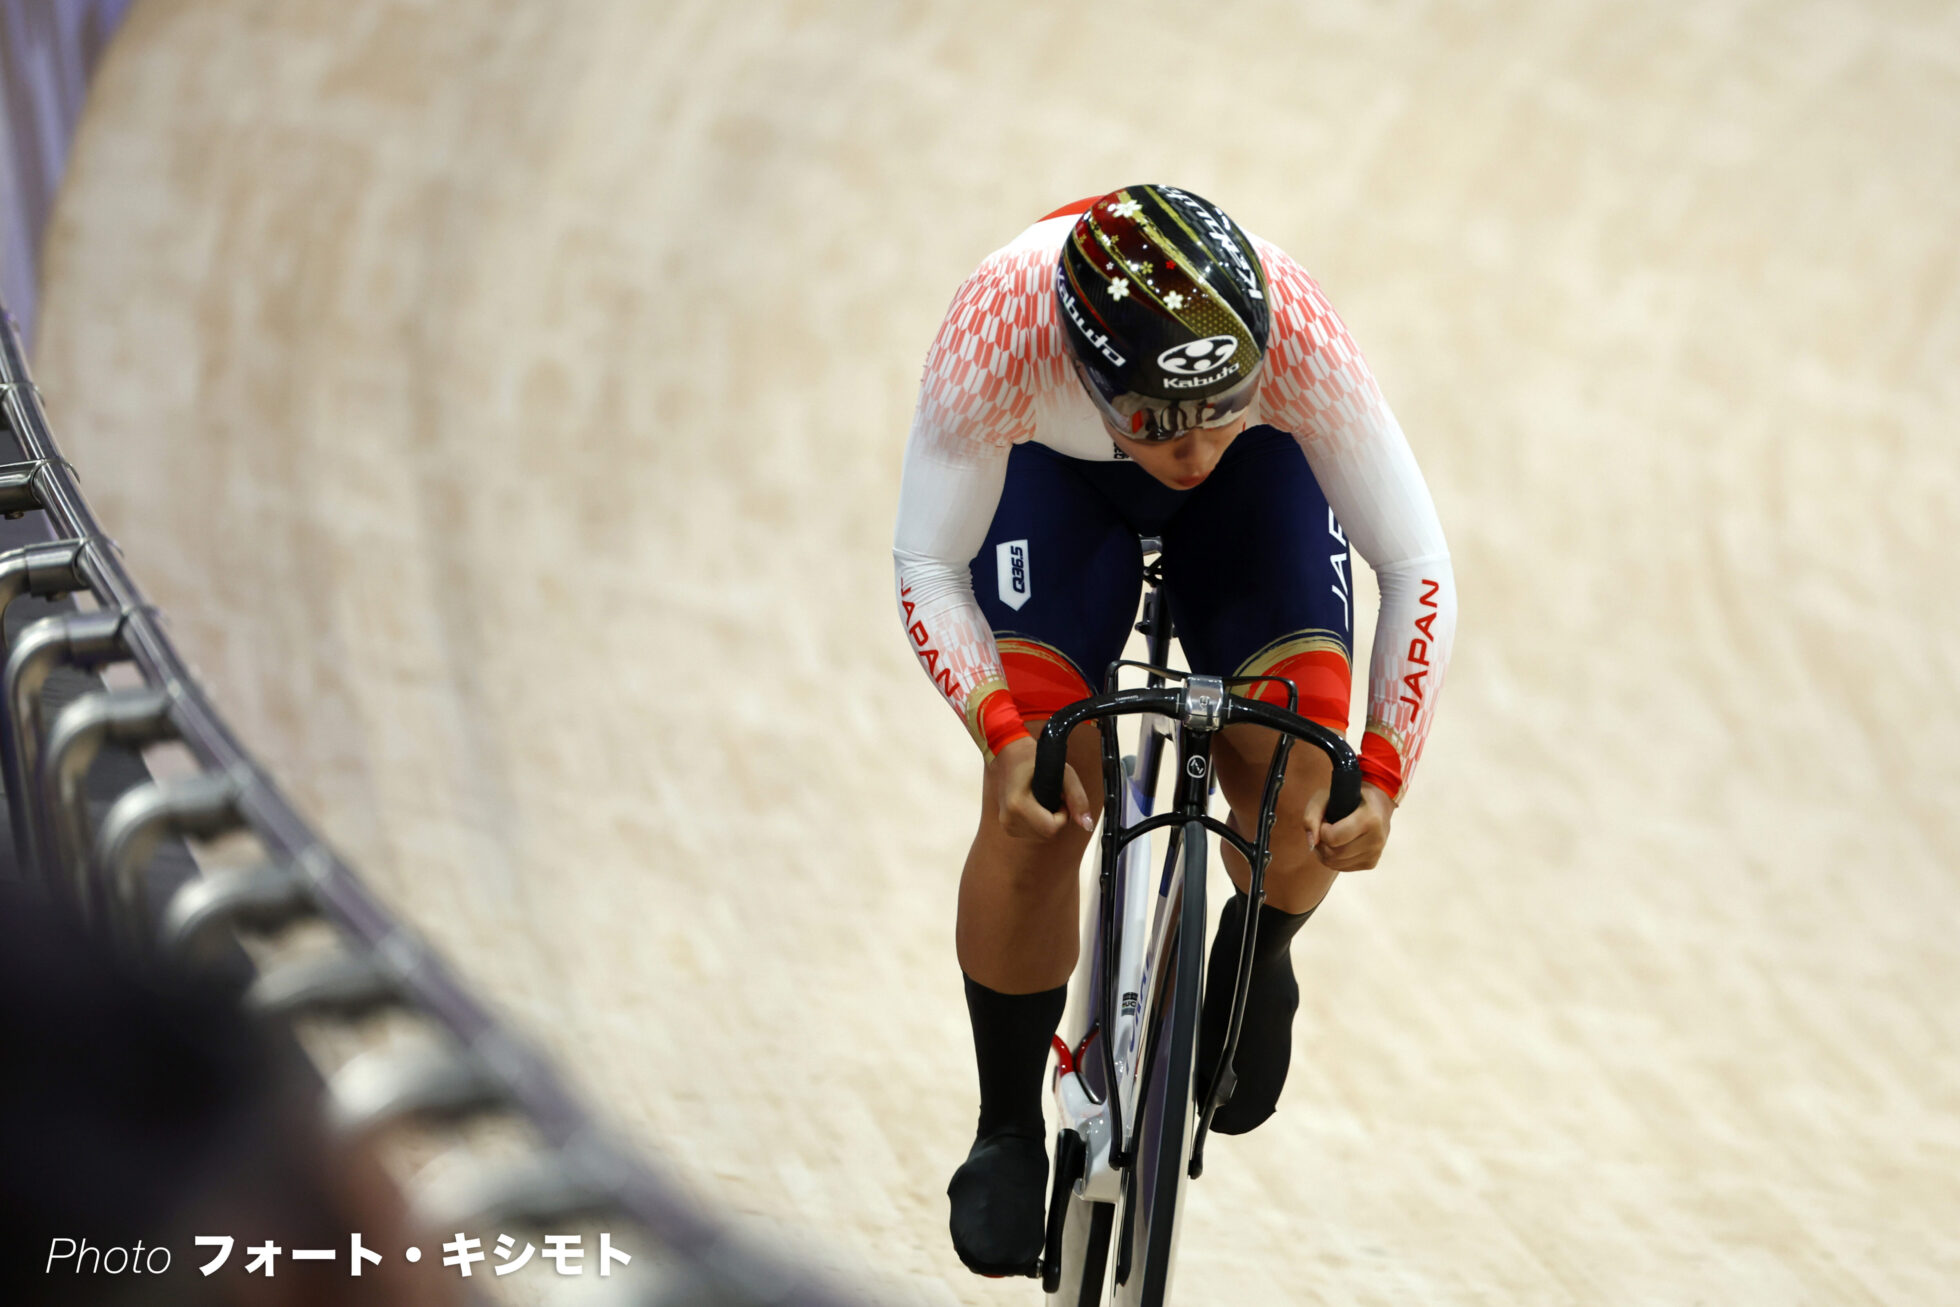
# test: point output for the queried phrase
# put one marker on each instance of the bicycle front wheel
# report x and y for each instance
(1148, 1222)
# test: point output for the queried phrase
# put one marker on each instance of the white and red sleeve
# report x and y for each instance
(1318, 387)
(993, 356)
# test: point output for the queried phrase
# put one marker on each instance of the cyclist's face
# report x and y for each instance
(1186, 461)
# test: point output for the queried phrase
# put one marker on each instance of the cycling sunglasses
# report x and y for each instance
(1155, 421)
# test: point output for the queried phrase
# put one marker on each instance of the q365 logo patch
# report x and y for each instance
(1199, 356)
(1016, 578)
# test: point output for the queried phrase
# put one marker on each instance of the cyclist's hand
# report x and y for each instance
(1020, 814)
(1355, 842)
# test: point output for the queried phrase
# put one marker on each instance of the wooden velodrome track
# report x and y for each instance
(507, 401)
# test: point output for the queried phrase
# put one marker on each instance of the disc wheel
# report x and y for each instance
(1147, 1220)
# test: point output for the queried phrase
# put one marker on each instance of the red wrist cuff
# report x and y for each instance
(1000, 721)
(1381, 766)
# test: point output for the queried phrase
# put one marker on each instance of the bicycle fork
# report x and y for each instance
(1114, 1013)
(1082, 1076)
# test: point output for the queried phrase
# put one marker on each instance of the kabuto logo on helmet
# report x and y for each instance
(1197, 357)
(1096, 339)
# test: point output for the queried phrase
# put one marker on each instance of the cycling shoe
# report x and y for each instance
(998, 1195)
(1266, 1037)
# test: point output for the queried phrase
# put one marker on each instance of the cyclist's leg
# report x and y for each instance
(1018, 920)
(1058, 579)
(1296, 879)
(1257, 570)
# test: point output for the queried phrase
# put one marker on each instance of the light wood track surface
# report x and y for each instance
(506, 400)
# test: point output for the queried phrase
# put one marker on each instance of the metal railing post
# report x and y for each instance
(201, 806)
(85, 638)
(129, 717)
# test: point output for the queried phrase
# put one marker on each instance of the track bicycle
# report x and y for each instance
(1134, 1119)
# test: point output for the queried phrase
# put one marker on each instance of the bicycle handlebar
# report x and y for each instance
(1051, 749)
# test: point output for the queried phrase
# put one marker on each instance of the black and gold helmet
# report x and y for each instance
(1166, 311)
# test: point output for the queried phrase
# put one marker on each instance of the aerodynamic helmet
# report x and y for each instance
(1165, 307)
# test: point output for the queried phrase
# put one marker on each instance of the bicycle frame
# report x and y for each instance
(1124, 914)
(1099, 1096)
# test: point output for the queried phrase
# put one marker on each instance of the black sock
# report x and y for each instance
(1276, 932)
(1265, 1039)
(1011, 1034)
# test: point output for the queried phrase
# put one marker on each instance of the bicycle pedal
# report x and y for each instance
(1071, 1160)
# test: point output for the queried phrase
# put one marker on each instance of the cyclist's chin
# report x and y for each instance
(1179, 478)
(1185, 462)
(1168, 470)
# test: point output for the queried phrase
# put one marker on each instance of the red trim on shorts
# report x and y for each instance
(1323, 678)
(1381, 766)
(1042, 678)
(1076, 209)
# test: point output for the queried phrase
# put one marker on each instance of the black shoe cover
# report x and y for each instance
(1266, 1036)
(998, 1195)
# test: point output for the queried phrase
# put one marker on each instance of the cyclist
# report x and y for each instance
(1136, 364)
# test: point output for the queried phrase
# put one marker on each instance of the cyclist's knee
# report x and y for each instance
(1027, 868)
(1298, 883)
(1243, 760)
(1295, 877)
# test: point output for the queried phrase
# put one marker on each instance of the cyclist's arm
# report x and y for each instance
(1379, 496)
(994, 355)
(946, 501)
(945, 505)
(1320, 388)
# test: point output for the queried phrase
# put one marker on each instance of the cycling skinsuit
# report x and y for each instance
(1016, 546)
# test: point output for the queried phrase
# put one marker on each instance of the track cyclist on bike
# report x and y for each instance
(1130, 365)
